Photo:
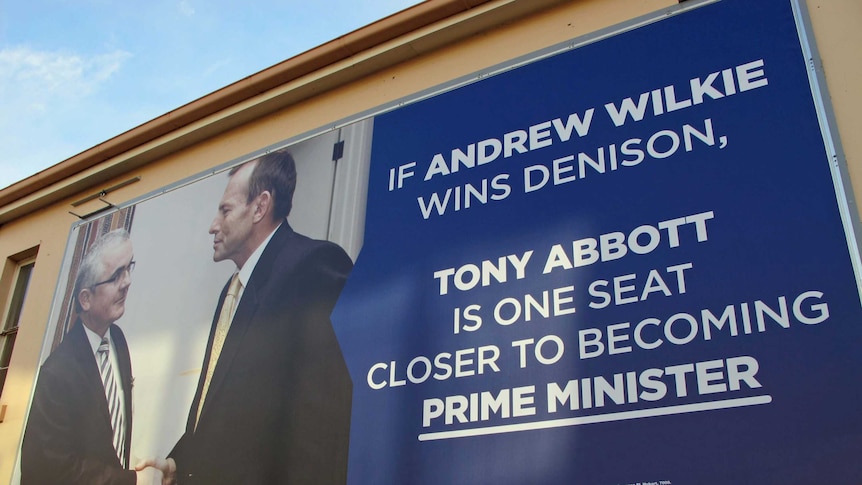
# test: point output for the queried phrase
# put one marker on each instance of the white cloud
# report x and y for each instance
(186, 8)
(221, 63)
(34, 80)
(44, 110)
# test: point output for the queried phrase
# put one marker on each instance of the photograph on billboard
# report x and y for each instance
(626, 261)
(192, 289)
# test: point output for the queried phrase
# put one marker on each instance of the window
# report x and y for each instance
(21, 281)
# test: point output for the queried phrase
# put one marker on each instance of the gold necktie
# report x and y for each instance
(222, 328)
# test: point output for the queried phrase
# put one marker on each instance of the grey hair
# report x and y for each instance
(92, 265)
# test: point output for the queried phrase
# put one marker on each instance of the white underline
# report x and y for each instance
(599, 418)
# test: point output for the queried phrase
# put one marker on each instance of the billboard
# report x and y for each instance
(625, 260)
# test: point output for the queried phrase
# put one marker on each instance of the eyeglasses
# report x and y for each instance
(117, 275)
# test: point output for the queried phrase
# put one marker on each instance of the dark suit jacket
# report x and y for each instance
(278, 406)
(69, 439)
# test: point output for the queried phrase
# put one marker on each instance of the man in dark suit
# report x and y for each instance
(80, 423)
(272, 405)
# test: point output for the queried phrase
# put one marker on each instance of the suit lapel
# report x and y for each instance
(239, 326)
(92, 379)
(243, 317)
(125, 364)
(193, 410)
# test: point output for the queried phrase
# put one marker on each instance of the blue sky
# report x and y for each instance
(74, 73)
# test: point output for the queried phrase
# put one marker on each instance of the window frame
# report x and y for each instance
(15, 290)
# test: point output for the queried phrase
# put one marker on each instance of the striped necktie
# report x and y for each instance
(113, 396)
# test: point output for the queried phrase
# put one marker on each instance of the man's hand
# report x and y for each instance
(145, 477)
(168, 467)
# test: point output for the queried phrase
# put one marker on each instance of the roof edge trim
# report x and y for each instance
(338, 49)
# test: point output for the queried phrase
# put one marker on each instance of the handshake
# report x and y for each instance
(167, 466)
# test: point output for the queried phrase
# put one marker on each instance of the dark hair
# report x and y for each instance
(274, 172)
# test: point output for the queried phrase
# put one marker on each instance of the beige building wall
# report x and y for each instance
(468, 41)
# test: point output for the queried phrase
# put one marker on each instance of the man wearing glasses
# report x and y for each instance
(80, 423)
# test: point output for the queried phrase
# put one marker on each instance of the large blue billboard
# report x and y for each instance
(624, 263)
